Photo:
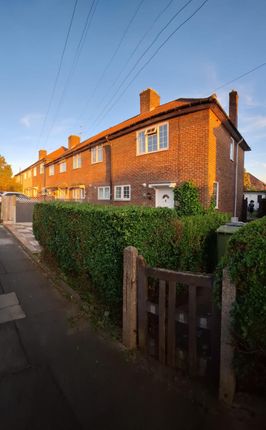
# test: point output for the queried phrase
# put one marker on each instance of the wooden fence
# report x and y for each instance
(171, 302)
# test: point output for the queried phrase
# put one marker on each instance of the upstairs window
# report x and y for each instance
(35, 171)
(232, 149)
(122, 192)
(51, 170)
(25, 175)
(153, 139)
(41, 169)
(97, 154)
(62, 167)
(77, 161)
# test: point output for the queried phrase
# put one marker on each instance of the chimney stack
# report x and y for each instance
(42, 154)
(149, 100)
(233, 107)
(73, 141)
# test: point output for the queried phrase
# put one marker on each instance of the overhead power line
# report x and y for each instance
(152, 56)
(122, 68)
(240, 76)
(78, 51)
(114, 53)
(59, 68)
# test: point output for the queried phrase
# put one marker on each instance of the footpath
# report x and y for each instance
(58, 375)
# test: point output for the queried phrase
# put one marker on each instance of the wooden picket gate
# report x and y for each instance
(178, 319)
(173, 309)
(188, 318)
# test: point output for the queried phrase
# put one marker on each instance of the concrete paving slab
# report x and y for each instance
(8, 299)
(11, 313)
(12, 356)
(6, 241)
(34, 292)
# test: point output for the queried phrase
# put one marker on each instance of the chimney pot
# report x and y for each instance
(73, 141)
(233, 107)
(42, 154)
(149, 100)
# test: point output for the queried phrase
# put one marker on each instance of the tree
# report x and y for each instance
(7, 181)
(247, 182)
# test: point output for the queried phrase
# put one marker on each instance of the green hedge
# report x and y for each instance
(246, 261)
(89, 239)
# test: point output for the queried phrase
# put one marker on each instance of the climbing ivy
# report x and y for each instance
(187, 201)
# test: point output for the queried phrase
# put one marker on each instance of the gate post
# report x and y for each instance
(130, 297)
(227, 374)
(8, 209)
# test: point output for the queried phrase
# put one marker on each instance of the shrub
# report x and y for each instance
(246, 261)
(89, 240)
(187, 201)
(197, 241)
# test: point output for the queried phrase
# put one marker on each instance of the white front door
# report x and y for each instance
(164, 197)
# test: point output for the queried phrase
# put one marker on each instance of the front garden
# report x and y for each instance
(87, 242)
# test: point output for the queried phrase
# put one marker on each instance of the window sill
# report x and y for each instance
(152, 152)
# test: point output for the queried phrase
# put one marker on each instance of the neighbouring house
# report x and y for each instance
(142, 159)
(254, 189)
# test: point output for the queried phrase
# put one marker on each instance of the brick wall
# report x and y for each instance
(224, 167)
(199, 150)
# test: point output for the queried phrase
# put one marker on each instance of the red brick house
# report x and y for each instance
(142, 159)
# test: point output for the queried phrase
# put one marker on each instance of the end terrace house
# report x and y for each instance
(142, 159)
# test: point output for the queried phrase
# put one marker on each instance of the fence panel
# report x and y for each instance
(183, 315)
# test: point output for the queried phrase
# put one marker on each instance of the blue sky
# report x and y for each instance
(223, 40)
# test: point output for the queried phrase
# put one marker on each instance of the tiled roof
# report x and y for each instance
(55, 154)
(164, 108)
(255, 183)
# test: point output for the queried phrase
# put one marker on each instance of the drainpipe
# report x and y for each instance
(108, 154)
(236, 175)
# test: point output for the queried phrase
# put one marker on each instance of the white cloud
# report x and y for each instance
(31, 119)
(253, 124)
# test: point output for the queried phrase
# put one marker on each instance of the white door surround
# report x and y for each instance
(164, 194)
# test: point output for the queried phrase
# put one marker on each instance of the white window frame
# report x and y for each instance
(145, 131)
(41, 168)
(217, 194)
(81, 192)
(77, 161)
(34, 171)
(51, 170)
(122, 198)
(62, 170)
(232, 149)
(95, 154)
(104, 189)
